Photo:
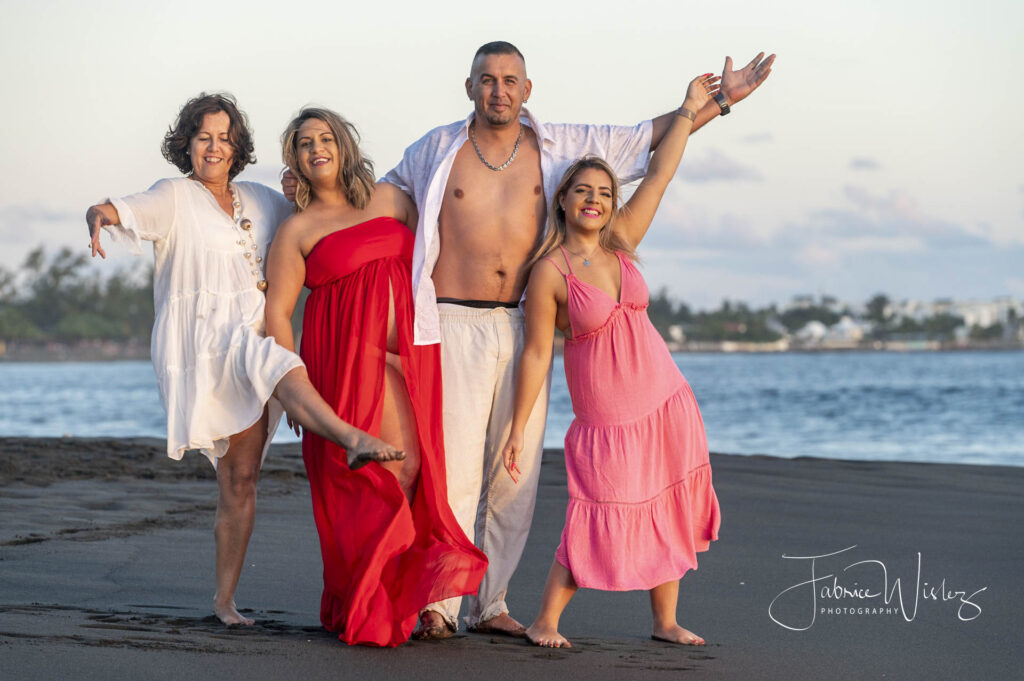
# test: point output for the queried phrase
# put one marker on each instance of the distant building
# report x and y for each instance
(801, 302)
(1001, 310)
(846, 334)
(980, 313)
(812, 333)
(846, 330)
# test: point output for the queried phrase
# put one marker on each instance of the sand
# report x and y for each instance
(106, 572)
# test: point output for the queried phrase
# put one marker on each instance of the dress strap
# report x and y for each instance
(566, 256)
(552, 261)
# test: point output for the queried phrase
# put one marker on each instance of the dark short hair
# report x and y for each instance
(498, 47)
(190, 119)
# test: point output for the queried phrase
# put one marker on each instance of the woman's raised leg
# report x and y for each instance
(306, 407)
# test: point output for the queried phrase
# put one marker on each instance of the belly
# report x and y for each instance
(484, 263)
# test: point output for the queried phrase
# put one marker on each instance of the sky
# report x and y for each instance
(882, 155)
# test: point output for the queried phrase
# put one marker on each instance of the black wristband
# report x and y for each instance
(722, 104)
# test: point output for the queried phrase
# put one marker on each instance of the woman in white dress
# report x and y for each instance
(216, 371)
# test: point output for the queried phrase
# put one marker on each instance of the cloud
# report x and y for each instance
(864, 163)
(28, 223)
(757, 138)
(680, 223)
(703, 283)
(889, 222)
(15, 213)
(824, 254)
(1015, 286)
(714, 165)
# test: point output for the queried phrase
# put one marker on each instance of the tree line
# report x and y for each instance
(736, 321)
(60, 298)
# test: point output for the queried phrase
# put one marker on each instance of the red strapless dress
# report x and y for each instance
(383, 560)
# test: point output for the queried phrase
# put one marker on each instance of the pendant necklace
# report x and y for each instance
(586, 258)
(506, 164)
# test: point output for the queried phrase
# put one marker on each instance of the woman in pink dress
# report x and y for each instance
(641, 504)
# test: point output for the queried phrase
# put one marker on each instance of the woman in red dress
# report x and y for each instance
(389, 541)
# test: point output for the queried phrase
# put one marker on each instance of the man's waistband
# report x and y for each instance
(478, 304)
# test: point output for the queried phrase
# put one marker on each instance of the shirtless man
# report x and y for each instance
(483, 207)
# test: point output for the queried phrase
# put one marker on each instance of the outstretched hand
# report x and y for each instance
(289, 184)
(737, 85)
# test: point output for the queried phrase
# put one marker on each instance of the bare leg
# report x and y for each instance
(305, 406)
(664, 599)
(237, 474)
(558, 590)
(398, 427)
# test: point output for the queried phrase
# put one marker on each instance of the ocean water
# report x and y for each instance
(965, 407)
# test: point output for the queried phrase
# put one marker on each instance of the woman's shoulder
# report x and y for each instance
(169, 185)
(548, 271)
(295, 225)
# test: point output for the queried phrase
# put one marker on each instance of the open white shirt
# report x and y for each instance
(427, 163)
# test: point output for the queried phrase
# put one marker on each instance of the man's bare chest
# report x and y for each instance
(473, 187)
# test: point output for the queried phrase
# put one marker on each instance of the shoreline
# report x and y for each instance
(107, 354)
(106, 559)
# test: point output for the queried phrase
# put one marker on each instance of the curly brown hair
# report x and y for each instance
(179, 136)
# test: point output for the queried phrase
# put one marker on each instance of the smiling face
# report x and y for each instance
(317, 152)
(588, 201)
(498, 86)
(211, 151)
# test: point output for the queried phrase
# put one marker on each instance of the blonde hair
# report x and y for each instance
(355, 171)
(555, 234)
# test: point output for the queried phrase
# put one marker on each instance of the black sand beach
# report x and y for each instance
(106, 570)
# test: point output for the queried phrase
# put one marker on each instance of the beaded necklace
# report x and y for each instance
(250, 250)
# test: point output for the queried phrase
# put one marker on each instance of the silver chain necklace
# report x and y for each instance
(506, 164)
(586, 258)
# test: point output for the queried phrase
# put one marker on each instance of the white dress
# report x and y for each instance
(214, 367)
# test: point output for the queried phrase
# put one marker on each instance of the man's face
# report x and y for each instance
(498, 87)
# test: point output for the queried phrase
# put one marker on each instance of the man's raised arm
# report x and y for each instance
(736, 86)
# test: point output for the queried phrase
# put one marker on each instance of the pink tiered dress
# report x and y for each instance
(641, 503)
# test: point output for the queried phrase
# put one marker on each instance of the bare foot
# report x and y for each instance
(676, 634)
(432, 627)
(499, 624)
(546, 637)
(228, 614)
(365, 448)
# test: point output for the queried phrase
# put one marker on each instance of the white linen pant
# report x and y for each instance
(480, 350)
